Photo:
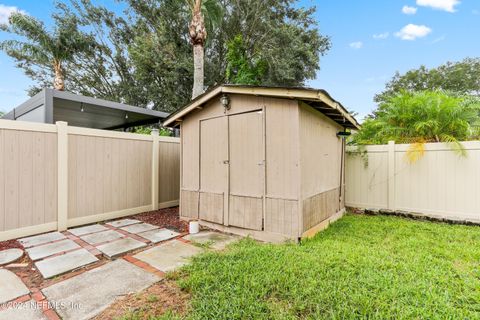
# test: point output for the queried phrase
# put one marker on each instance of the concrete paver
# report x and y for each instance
(88, 229)
(93, 291)
(10, 255)
(215, 240)
(23, 311)
(99, 237)
(41, 239)
(58, 265)
(123, 222)
(138, 228)
(168, 256)
(117, 247)
(11, 287)
(43, 251)
(158, 235)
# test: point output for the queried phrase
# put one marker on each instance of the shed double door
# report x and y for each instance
(232, 170)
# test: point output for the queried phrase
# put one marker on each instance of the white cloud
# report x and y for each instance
(409, 10)
(445, 5)
(356, 45)
(413, 31)
(381, 36)
(6, 11)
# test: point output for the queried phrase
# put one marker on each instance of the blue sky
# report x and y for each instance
(370, 41)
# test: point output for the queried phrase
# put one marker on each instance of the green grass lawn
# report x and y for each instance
(361, 267)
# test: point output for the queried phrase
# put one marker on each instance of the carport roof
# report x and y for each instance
(316, 98)
(97, 113)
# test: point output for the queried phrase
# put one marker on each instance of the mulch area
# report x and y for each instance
(165, 218)
(164, 296)
(10, 244)
(25, 269)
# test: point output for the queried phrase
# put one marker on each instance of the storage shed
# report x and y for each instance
(262, 161)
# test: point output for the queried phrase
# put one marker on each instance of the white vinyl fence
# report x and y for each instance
(441, 183)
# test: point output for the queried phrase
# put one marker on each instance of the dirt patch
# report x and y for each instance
(165, 218)
(164, 296)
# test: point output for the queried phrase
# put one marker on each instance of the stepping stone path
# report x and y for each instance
(41, 239)
(10, 255)
(138, 228)
(94, 290)
(87, 229)
(101, 237)
(156, 236)
(11, 287)
(55, 254)
(23, 311)
(46, 250)
(64, 263)
(115, 248)
(214, 240)
(168, 256)
(122, 223)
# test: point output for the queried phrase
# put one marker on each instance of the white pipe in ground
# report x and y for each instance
(194, 227)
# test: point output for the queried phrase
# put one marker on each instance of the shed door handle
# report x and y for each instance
(226, 161)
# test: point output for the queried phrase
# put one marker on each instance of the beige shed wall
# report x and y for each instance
(282, 166)
(320, 150)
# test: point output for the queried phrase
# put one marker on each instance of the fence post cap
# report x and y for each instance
(61, 123)
(155, 132)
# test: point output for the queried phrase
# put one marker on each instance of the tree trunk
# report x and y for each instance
(59, 81)
(198, 72)
(198, 34)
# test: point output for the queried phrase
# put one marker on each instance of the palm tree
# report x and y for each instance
(43, 49)
(198, 36)
(420, 117)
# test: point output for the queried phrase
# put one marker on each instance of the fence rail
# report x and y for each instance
(56, 176)
(441, 183)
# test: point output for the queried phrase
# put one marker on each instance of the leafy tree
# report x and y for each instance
(46, 50)
(460, 77)
(143, 57)
(420, 117)
(242, 69)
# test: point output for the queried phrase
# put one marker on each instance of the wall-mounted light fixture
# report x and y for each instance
(81, 107)
(126, 115)
(343, 134)
(225, 101)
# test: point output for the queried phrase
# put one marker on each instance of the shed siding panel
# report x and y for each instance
(321, 152)
(281, 216)
(246, 212)
(211, 207)
(282, 149)
(320, 207)
(189, 204)
(191, 154)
